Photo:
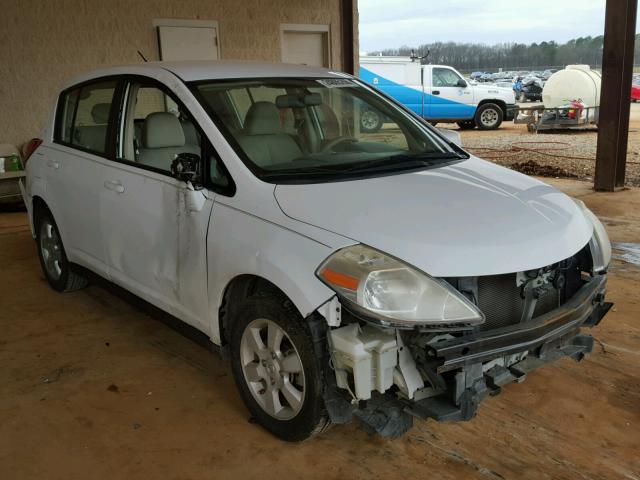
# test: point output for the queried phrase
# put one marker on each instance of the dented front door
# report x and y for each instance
(154, 233)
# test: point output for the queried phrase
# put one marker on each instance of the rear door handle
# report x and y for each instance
(436, 92)
(115, 186)
(53, 164)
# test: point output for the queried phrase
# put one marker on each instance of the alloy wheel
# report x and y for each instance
(369, 120)
(272, 369)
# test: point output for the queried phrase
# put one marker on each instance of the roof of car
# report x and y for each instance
(213, 70)
(194, 71)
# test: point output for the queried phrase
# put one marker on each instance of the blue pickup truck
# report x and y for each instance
(438, 93)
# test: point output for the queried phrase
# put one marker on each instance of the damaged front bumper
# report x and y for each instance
(545, 339)
(457, 373)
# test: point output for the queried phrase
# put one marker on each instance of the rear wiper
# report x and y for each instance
(403, 161)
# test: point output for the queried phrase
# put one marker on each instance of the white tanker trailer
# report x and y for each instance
(571, 99)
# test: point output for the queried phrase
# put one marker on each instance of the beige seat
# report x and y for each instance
(264, 140)
(163, 138)
(93, 137)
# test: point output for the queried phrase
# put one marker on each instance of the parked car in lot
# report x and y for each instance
(344, 274)
(635, 91)
(437, 93)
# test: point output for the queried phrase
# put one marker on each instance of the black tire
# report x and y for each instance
(67, 280)
(312, 418)
(370, 121)
(486, 112)
(467, 125)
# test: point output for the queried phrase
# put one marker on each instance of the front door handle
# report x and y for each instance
(115, 186)
(436, 92)
(53, 164)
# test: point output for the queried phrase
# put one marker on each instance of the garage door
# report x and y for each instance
(305, 48)
(188, 43)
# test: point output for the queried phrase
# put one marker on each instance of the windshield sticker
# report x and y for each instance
(336, 83)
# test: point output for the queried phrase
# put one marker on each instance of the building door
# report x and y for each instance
(305, 45)
(184, 40)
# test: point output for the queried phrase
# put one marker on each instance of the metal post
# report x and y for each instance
(617, 69)
(348, 39)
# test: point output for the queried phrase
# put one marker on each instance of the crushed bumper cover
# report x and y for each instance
(545, 338)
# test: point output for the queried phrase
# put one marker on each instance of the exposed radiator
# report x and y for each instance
(499, 299)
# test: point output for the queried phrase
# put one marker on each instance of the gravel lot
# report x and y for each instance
(567, 154)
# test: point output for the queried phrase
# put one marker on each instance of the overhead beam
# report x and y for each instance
(617, 70)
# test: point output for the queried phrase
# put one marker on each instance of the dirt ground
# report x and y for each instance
(564, 154)
(93, 387)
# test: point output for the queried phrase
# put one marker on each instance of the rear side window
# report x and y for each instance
(69, 104)
(84, 118)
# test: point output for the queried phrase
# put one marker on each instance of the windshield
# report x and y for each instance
(321, 128)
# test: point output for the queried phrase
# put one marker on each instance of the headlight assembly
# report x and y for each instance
(387, 291)
(600, 245)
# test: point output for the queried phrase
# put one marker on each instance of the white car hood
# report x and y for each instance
(468, 219)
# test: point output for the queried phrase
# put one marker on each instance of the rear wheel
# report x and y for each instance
(488, 116)
(370, 121)
(276, 370)
(53, 259)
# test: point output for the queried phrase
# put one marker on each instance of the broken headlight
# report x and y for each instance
(387, 291)
(600, 245)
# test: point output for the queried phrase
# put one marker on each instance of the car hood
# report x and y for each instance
(505, 92)
(467, 219)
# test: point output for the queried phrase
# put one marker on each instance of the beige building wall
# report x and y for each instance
(43, 43)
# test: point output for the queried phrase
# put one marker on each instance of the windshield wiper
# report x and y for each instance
(394, 162)
(301, 172)
(404, 161)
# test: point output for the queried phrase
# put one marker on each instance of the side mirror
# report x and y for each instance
(451, 135)
(186, 167)
(462, 83)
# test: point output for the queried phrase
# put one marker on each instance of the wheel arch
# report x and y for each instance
(242, 287)
(501, 103)
(38, 207)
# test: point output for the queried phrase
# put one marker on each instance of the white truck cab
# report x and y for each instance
(438, 93)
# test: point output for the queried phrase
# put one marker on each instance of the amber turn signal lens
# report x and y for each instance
(340, 279)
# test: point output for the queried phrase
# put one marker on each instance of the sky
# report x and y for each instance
(393, 23)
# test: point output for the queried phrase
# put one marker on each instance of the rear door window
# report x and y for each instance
(84, 119)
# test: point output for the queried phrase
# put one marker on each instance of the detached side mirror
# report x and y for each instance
(186, 167)
(462, 83)
(451, 135)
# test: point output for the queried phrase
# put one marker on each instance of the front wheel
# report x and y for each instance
(276, 369)
(488, 116)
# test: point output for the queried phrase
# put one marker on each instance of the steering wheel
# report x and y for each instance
(337, 141)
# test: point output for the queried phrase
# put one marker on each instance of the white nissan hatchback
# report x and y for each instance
(386, 275)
